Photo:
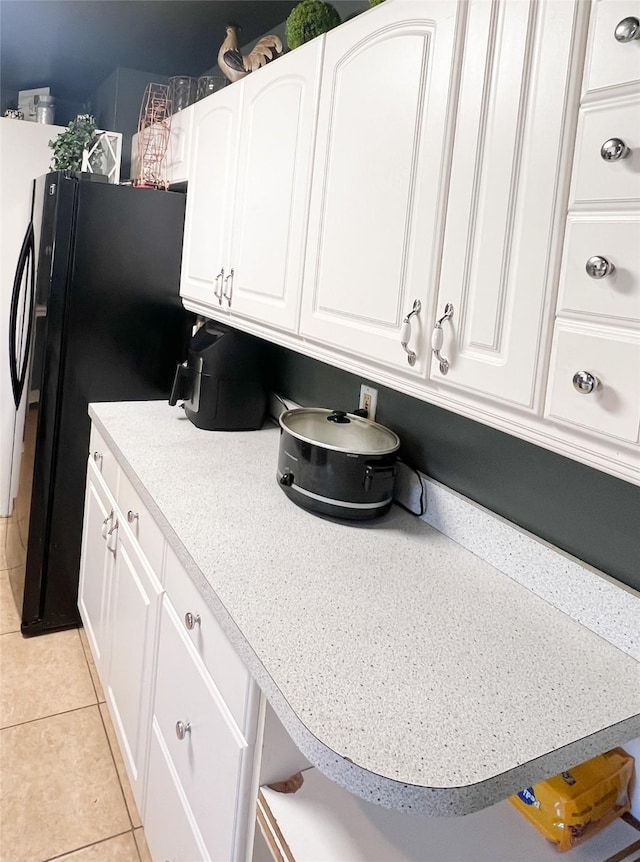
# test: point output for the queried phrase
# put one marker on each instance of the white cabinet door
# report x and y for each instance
(96, 567)
(504, 219)
(213, 158)
(169, 827)
(206, 749)
(133, 625)
(380, 176)
(272, 192)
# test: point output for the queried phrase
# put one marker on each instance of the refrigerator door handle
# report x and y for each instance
(24, 276)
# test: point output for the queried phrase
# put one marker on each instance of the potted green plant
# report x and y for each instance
(69, 146)
(309, 19)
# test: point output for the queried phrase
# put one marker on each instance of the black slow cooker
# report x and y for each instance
(337, 464)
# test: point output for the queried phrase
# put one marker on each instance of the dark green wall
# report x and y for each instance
(583, 511)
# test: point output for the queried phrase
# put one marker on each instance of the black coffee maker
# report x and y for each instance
(222, 381)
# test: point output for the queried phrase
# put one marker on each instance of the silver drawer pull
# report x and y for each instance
(599, 267)
(437, 339)
(405, 332)
(614, 150)
(218, 282)
(132, 516)
(105, 528)
(112, 537)
(585, 382)
(627, 30)
(98, 456)
(228, 278)
(182, 729)
(191, 620)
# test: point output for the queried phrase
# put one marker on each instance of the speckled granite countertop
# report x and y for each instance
(404, 667)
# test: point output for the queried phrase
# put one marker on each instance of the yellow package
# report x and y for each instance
(574, 805)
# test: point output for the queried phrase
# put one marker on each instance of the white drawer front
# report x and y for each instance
(168, 824)
(613, 408)
(617, 240)
(596, 179)
(228, 671)
(141, 524)
(611, 63)
(104, 460)
(208, 759)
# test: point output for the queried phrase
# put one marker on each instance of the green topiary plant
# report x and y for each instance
(69, 145)
(374, 2)
(309, 19)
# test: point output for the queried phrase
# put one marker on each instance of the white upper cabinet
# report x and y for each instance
(380, 176)
(503, 233)
(249, 193)
(213, 159)
(272, 191)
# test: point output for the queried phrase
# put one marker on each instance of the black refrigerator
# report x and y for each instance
(96, 316)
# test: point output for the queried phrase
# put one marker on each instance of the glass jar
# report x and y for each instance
(182, 92)
(208, 84)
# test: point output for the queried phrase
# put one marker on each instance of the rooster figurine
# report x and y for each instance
(234, 66)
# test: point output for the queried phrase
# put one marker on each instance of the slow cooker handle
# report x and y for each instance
(371, 473)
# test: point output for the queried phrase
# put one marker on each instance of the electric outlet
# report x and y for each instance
(369, 400)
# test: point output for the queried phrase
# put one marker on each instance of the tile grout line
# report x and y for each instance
(51, 715)
(94, 844)
(84, 653)
(126, 805)
(86, 658)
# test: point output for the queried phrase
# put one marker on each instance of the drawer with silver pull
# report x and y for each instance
(227, 670)
(594, 381)
(613, 53)
(199, 735)
(607, 157)
(601, 267)
(141, 524)
(104, 460)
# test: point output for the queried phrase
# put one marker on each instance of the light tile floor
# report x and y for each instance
(64, 794)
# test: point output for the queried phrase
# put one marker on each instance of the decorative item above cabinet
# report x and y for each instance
(423, 248)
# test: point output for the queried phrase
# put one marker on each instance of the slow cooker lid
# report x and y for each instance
(340, 431)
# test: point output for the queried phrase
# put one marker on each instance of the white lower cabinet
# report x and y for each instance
(198, 738)
(132, 626)
(204, 750)
(169, 827)
(96, 567)
(184, 707)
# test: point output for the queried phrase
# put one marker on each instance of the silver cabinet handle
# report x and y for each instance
(132, 516)
(98, 456)
(599, 267)
(182, 729)
(437, 339)
(585, 382)
(112, 537)
(405, 332)
(614, 150)
(228, 278)
(105, 528)
(218, 282)
(627, 30)
(191, 620)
